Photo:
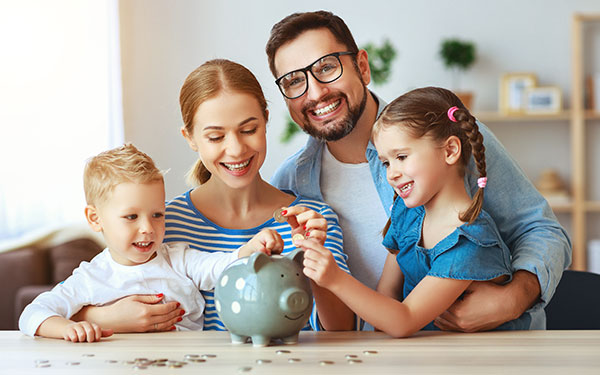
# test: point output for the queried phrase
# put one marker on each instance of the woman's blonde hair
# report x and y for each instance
(109, 168)
(206, 82)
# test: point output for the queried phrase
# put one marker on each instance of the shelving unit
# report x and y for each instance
(581, 204)
(577, 117)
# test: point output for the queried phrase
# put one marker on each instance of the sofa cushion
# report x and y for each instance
(64, 258)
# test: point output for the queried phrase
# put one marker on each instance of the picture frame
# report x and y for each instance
(512, 90)
(542, 100)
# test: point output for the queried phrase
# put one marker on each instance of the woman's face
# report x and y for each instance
(229, 134)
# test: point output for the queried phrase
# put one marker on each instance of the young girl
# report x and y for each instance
(439, 240)
(230, 206)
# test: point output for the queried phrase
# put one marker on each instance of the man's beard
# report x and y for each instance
(343, 126)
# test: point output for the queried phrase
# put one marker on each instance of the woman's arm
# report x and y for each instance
(137, 313)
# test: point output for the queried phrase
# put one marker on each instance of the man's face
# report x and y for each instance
(327, 111)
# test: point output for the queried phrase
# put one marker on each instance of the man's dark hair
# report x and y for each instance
(295, 24)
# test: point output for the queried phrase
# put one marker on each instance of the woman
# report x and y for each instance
(225, 114)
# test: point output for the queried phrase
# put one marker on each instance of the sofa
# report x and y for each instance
(31, 270)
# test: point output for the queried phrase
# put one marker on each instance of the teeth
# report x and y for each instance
(142, 244)
(406, 187)
(327, 109)
(237, 166)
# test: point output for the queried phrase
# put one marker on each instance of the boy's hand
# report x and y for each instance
(266, 241)
(85, 331)
(307, 222)
(319, 264)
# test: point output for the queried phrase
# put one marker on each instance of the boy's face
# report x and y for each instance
(132, 220)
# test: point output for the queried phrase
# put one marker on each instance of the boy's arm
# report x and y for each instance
(58, 327)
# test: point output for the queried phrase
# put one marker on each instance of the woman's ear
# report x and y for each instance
(189, 139)
(452, 150)
(91, 215)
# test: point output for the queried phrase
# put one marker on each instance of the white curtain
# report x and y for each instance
(60, 103)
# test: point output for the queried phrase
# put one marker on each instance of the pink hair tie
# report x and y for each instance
(481, 182)
(451, 113)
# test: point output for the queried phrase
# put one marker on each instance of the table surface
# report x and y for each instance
(531, 352)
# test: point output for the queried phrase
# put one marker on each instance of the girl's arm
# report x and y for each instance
(391, 281)
(333, 314)
(429, 298)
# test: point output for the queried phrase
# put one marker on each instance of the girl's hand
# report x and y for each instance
(319, 264)
(307, 222)
(266, 241)
(84, 331)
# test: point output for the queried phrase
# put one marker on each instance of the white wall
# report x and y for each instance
(165, 40)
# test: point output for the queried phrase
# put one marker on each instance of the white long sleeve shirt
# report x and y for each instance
(176, 271)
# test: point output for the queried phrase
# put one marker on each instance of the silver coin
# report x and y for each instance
(40, 361)
(325, 363)
(263, 361)
(139, 367)
(73, 363)
(294, 360)
(160, 360)
(278, 216)
(350, 356)
(42, 365)
(88, 355)
(369, 352)
(298, 237)
(245, 369)
(283, 351)
(188, 356)
(160, 364)
(206, 356)
(197, 360)
(111, 361)
(353, 361)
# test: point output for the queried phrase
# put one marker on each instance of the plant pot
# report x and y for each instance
(466, 97)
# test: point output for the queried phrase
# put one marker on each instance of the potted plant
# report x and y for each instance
(458, 56)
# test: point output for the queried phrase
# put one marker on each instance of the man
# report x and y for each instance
(323, 77)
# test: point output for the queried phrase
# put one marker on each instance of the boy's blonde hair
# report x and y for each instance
(109, 168)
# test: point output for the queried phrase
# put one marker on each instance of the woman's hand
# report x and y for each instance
(266, 241)
(307, 222)
(136, 313)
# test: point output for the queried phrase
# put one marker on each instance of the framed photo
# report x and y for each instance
(542, 100)
(512, 90)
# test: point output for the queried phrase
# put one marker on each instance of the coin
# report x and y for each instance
(245, 369)
(73, 363)
(278, 216)
(353, 361)
(349, 356)
(293, 360)
(263, 361)
(206, 356)
(368, 352)
(325, 363)
(283, 351)
(298, 237)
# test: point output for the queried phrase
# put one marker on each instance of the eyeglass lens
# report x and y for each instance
(325, 70)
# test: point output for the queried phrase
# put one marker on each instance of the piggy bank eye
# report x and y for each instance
(297, 274)
(282, 275)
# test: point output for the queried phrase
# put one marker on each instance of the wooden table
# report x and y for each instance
(526, 352)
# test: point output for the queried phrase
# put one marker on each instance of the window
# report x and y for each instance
(61, 103)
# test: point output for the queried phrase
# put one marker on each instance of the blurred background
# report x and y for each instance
(78, 77)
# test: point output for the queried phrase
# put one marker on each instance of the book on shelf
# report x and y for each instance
(592, 92)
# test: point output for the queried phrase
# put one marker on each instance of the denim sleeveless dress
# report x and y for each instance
(471, 252)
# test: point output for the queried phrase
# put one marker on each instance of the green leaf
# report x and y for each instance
(457, 53)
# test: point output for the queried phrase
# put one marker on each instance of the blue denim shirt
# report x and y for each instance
(471, 252)
(538, 243)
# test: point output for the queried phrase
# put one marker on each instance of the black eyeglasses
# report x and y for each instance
(325, 69)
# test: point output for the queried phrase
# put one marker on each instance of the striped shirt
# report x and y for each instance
(184, 223)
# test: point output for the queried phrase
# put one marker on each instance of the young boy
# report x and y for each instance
(125, 198)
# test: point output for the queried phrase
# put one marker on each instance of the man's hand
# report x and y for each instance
(137, 313)
(486, 305)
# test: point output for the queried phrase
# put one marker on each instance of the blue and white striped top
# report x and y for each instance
(184, 223)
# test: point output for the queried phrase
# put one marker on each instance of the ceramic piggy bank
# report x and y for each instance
(264, 297)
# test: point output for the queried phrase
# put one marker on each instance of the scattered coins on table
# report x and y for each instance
(277, 215)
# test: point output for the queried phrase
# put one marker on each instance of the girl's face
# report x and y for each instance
(230, 137)
(416, 167)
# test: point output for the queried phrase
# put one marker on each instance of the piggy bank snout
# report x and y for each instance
(294, 300)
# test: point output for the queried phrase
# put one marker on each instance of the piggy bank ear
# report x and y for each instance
(257, 261)
(296, 255)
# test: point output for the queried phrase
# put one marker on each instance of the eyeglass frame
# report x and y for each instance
(308, 68)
